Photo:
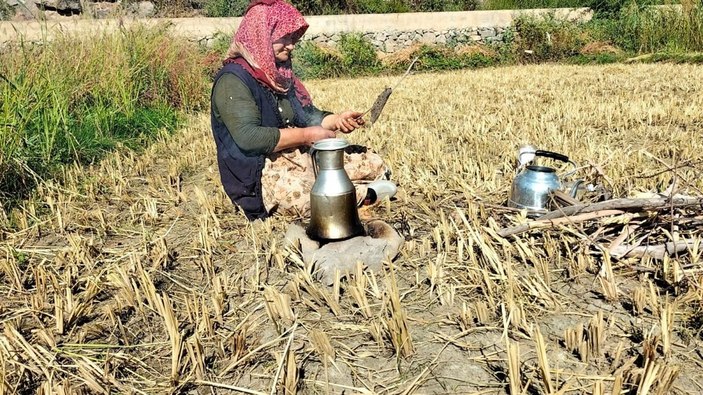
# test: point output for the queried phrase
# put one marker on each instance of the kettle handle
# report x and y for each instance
(553, 155)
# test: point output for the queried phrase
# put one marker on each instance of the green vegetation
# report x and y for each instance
(634, 29)
(6, 12)
(620, 30)
(75, 99)
(531, 4)
(219, 8)
(648, 29)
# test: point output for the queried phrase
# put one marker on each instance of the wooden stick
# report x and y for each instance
(406, 72)
(629, 230)
(550, 223)
(658, 251)
(624, 204)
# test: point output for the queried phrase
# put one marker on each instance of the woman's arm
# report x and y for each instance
(235, 105)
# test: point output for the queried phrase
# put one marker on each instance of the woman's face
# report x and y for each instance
(282, 48)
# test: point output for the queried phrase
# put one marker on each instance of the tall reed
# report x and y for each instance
(666, 28)
(75, 98)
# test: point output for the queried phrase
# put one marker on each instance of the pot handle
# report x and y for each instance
(553, 155)
(312, 152)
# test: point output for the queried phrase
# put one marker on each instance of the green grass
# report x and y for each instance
(531, 4)
(6, 12)
(73, 100)
(649, 29)
(692, 58)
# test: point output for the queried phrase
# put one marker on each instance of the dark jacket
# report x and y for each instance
(241, 173)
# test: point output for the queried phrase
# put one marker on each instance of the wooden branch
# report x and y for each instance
(407, 72)
(564, 199)
(625, 205)
(629, 230)
(551, 223)
(658, 251)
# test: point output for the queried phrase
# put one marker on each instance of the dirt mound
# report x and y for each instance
(476, 49)
(599, 47)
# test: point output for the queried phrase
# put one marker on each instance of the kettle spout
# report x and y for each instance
(575, 188)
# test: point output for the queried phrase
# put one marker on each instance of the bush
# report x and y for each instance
(547, 38)
(318, 7)
(321, 7)
(225, 8)
(648, 29)
(451, 5)
(611, 8)
(358, 55)
(601, 58)
(440, 57)
(6, 11)
(352, 56)
(60, 106)
(529, 4)
(315, 61)
(379, 6)
(637, 28)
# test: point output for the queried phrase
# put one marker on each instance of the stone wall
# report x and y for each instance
(391, 41)
(56, 9)
(387, 32)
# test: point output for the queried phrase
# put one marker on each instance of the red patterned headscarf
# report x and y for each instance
(264, 22)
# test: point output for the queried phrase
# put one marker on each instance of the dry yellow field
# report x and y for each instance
(138, 276)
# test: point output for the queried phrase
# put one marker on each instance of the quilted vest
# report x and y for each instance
(241, 173)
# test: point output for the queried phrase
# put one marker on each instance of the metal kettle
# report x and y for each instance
(333, 211)
(532, 186)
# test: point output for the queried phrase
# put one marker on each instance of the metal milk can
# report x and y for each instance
(333, 212)
(532, 186)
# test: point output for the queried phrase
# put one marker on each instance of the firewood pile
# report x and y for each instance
(649, 225)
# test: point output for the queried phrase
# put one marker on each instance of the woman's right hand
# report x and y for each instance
(316, 133)
(295, 137)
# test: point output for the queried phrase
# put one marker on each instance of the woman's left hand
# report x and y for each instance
(348, 121)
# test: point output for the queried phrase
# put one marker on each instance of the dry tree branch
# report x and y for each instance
(549, 223)
(683, 165)
(673, 169)
(642, 204)
(658, 251)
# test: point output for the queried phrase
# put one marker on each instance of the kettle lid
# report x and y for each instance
(541, 169)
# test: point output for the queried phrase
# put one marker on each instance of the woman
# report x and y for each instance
(263, 120)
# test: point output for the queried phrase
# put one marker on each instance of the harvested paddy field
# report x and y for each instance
(138, 276)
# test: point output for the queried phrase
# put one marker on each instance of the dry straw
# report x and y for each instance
(137, 275)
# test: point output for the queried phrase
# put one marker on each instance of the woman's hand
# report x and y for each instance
(345, 122)
(296, 137)
(312, 134)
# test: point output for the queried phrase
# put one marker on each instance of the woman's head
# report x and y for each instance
(266, 37)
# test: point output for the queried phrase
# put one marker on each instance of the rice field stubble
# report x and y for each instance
(137, 276)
